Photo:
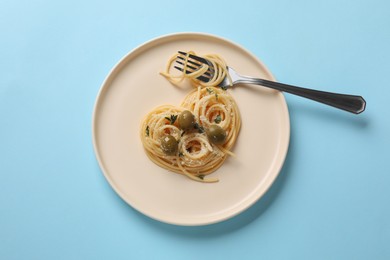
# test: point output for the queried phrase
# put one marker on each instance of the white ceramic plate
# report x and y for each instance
(134, 87)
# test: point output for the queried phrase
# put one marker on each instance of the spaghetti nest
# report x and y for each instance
(195, 138)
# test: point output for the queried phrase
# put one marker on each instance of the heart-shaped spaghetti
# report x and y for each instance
(195, 138)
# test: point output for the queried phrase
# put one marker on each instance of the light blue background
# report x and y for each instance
(331, 200)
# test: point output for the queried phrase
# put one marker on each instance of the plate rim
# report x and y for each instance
(105, 85)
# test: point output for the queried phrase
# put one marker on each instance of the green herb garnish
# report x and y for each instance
(224, 88)
(201, 176)
(171, 119)
(199, 128)
(218, 119)
(147, 131)
(181, 154)
(211, 91)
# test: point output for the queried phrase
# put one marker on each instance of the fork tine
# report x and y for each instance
(202, 60)
(188, 65)
(201, 78)
(197, 59)
(207, 73)
(210, 70)
(178, 68)
(204, 77)
(189, 61)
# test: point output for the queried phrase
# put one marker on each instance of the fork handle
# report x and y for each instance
(350, 103)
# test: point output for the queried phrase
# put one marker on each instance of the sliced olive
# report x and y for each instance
(169, 145)
(186, 120)
(216, 134)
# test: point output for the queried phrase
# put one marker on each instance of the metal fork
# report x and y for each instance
(350, 103)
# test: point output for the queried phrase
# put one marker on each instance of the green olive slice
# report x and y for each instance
(169, 145)
(186, 120)
(216, 134)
